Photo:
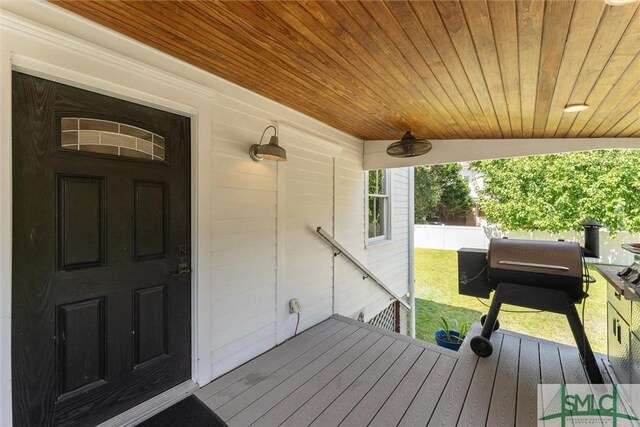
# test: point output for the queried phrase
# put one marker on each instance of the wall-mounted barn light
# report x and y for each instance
(409, 146)
(270, 151)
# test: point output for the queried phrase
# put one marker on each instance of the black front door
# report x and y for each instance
(101, 292)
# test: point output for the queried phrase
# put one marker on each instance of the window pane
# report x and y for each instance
(373, 182)
(382, 188)
(108, 137)
(374, 224)
(378, 201)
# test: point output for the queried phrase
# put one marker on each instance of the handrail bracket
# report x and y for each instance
(338, 249)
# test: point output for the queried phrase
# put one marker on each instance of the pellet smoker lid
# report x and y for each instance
(536, 256)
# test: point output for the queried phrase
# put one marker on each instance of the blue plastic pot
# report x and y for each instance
(440, 336)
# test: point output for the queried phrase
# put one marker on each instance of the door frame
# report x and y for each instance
(89, 67)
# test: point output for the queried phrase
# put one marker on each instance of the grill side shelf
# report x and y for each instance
(610, 273)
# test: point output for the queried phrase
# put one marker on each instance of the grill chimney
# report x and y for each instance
(592, 239)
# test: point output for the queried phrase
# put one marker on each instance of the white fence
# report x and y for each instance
(453, 237)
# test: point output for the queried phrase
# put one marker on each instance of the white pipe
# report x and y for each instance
(411, 266)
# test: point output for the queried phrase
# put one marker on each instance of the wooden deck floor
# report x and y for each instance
(343, 372)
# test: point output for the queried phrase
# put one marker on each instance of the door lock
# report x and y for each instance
(183, 270)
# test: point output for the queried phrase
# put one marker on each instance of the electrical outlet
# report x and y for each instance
(294, 306)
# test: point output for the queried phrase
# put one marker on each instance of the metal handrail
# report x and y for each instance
(368, 274)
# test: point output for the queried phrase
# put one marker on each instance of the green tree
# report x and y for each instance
(559, 192)
(440, 193)
(427, 192)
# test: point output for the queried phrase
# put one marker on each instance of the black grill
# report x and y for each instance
(540, 275)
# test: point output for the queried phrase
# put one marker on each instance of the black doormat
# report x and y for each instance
(188, 412)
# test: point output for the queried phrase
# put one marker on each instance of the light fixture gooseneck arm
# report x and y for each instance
(275, 131)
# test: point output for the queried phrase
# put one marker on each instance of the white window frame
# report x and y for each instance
(386, 236)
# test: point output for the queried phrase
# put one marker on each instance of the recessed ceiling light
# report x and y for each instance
(574, 108)
(619, 2)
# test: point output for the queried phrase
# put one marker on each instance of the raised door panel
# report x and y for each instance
(151, 324)
(81, 345)
(81, 222)
(151, 220)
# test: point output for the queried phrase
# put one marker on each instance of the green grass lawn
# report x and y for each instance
(437, 296)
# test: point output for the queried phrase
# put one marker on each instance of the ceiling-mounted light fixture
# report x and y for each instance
(619, 2)
(575, 108)
(270, 151)
(409, 146)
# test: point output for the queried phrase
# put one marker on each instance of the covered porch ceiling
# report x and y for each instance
(445, 69)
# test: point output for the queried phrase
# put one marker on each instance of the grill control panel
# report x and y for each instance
(631, 275)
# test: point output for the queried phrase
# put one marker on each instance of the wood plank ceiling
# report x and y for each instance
(444, 69)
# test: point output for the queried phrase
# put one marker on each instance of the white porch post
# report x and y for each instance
(412, 290)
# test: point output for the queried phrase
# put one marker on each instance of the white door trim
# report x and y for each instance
(5, 238)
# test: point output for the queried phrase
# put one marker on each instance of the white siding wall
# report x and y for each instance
(243, 217)
(254, 241)
(388, 260)
(307, 197)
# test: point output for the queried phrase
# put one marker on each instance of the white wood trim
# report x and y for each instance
(281, 251)
(333, 234)
(411, 255)
(462, 150)
(61, 74)
(201, 244)
(5, 238)
(153, 406)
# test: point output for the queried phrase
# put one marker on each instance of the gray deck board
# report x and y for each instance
(241, 401)
(572, 367)
(550, 366)
(395, 407)
(476, 404)
(314, 407)
(267, 401)
(428, 396)
(261, 367)
(343, 372)
(502, 410)
(369, 406)
(287, 406)
(340, 408)
(286, 349)
(448, 410)
(528, 380)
